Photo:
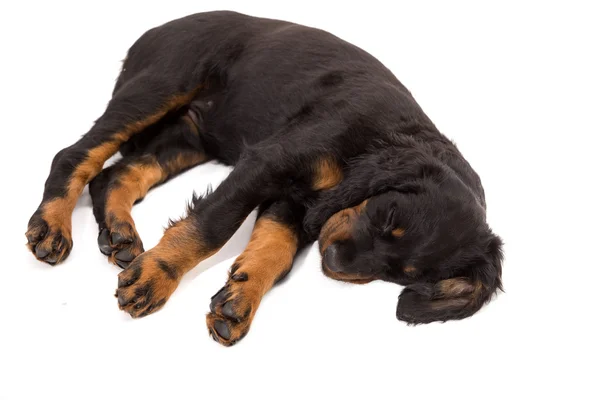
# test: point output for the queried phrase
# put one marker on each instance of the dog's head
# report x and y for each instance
(404, 236)
(415, 223)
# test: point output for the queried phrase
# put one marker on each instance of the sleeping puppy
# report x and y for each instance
(326, 143)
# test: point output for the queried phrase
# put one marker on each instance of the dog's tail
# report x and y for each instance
(454, 298)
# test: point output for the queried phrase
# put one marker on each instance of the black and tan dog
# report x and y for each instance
(326, 142)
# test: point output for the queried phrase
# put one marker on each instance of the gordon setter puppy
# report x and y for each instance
(326, 143)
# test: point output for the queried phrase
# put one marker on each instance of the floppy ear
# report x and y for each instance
(458, 297)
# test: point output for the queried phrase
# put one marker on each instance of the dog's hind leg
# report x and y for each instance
(117, 188)
(137, 104)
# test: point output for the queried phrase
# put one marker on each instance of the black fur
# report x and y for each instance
(276, 97)
(169, 271)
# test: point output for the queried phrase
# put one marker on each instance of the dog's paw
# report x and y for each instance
(232, 309)
(145, 286)
(49, 236)
(121, 243)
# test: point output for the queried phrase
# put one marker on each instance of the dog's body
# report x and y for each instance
(326, 142)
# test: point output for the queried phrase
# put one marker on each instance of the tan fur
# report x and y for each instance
(97, 156)
(61, 216)
(455, 287)
(57, 212)
(182, 247)
(410, 270)
(151, 275)
(327, 174)
(184, 161)
(133, 184)
(339, 226)
(269, 254)
(356, 279)
(398, 232)
(455, 293)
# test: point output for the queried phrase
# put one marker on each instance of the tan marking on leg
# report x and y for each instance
(49, 231)
(61, 214)
(327, 174)
(184, 161)
(268, 256)
(141, 176)
(131, 185)
(49, 239)
(56, 211)
(269, 253)
(97, 156)
(182, 246)
(158, 271)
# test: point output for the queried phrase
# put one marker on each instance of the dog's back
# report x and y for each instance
(265, 76)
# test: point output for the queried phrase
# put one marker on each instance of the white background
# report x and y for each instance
(515, 85)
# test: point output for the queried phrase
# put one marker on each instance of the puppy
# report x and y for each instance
(325, 142)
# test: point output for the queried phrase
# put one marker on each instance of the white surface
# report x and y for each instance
(516, 86)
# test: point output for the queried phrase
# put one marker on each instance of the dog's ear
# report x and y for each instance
(457, 297)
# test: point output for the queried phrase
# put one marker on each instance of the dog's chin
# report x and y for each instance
(350, 278)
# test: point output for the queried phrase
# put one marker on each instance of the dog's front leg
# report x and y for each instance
(152, 277)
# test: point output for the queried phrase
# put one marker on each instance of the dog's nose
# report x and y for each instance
(331, 258)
